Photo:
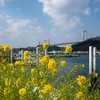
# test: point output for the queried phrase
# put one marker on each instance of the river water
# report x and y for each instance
(83, 59)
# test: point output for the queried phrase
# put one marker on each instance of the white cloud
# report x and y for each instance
(2, 2)
(87, 11)
(73, 22)
(18, 30)
(64, 12)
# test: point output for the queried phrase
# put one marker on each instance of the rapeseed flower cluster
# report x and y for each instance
(11, 65)
(43, 82)
(52, 64)
(8, 81)
(44, 60)
(68, 49)
(79, 95)
(47, 89)
(22, 91)
(41, 73)
(32, 70)
(18, 81)
(26, 55)
(95, 74)
(83, 65)
(25, 58)
(81, 80)
(23, 69)
(54, 72)
(6, 90)
(17, 63)
(6, 47)
(63, 63)
(45, 45)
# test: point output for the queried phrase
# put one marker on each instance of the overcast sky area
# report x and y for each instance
(25, 23)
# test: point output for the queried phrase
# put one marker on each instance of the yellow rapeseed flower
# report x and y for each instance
(79, 95)
(8, 81)
(43, 61)
(12, 71)
(11, 65)
(43, 82)
(25, 58)
(54, 72)
(41, 73)
(23, 69)
(6, 91)
(32, 70)
(4, 67)
(18, 81)
(52, 64)
(75, 66)
(35, 81)
(68, 49)
(6, 48)
(72, 87)
(81, 80)
(17, 63)
(22, 63)
(45, 45)
(26, 53)
(47, 57)
(63, 63)
(47, 89)
(83, 65)
(89, 84)
(95, 74)
(22, 91)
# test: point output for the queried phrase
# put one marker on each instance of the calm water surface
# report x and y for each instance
(83, 59)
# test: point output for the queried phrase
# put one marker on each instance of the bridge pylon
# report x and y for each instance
(84, 34)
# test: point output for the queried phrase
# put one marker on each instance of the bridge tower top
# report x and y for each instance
(84, 34)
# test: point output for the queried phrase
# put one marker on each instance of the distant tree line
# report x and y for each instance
(84, 46)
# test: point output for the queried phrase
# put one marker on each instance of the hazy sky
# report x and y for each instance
(24, 23)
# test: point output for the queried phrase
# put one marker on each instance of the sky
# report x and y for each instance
(26, 23)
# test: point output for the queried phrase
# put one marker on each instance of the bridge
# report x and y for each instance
(65, 43)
